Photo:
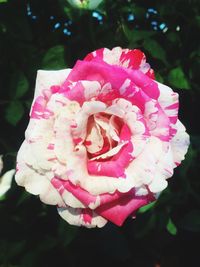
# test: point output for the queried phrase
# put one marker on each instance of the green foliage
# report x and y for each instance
(133, 36)
(54, 58)
(14, 112)
(191, 221)
(147, 207)
(19, 85)
(32, 234)
(177, 78)
(155, 49)
(171, 227)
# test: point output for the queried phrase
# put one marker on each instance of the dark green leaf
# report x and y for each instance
(155, 49)
(171, 227)
(136, 35)
(20, 83)
(191, 221)
(54, 58)
(24, 196)
(147, 207)
(177, 78)
(66, 233)
(159, 78)
(148, 223)
(14, 112)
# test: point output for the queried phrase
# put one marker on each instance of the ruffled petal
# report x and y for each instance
(133, 59)
(180, 143)
(82, 217)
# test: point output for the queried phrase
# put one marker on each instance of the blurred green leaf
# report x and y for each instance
(14, 112)
(66, 232)
(147, 207)
(173, 37)
(145, 223)
(136, 35)
(54, 58)
(155, 49)
(3, 1)
(23, 197)
(177, 78)
(47, 243)
(159, 78)
(197, 20)
(191, 221)
(171, 227)
(2, 197)
(20, 84)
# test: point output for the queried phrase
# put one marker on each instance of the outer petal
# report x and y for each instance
(82, 217)
(120, 209)
(104, 73)
(37, 184)
(46, 78)
(133, 59)
(168, 100)
(179, 143)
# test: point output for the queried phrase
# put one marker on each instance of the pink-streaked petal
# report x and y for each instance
(106, 75)
(116, 166)
(110, 153)
(168, 100)
(148, 85)
(82, 217)
(95, 137)
(88, 109)
(133, 59)
(46, 78)
(82, 91)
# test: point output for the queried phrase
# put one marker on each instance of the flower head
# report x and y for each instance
(102, 139)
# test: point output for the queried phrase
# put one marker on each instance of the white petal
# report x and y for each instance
(92, 89)
(1, 163)
(37, 184)
(180, 143)
(5, 182)
(158, 185)
(88, 109)
(46, 78)
(167, 98)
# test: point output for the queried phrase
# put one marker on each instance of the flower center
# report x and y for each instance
(103, 132)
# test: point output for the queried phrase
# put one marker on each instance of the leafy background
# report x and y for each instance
(50, 34)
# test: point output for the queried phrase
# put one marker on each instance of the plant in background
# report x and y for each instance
(86, 4)
(103, 138)
(5, 180)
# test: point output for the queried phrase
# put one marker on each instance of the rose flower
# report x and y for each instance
(102, 139)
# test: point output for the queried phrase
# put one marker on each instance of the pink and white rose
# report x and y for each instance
(102, 139)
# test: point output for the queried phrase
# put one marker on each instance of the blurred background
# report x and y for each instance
(53, 34)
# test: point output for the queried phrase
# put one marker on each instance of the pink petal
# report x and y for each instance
(116, 166)
(119, 210)
(133, 59)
